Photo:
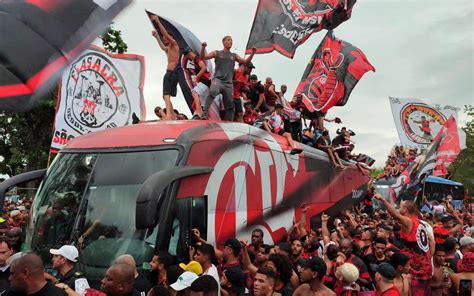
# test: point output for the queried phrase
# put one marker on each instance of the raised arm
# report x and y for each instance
(324, 229)
(205, 56)
(241, 60)
(158, 39)
(203, 70)
(460, 224)
(246, 258)
(163, 31)
(405, 222)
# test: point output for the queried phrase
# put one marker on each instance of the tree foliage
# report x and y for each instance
(462, 170)
(25, 138)
(113, 42)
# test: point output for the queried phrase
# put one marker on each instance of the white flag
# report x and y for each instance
(99, 90)
(417, 122)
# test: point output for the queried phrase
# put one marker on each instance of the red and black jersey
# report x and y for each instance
(363, 271)
(270, 98)
(440, 234)
(416, 247)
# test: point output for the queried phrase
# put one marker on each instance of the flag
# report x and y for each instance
(187, 39)
(417, 121)
(98, 91)
(40, 38)
(333, 72)
(410, 181)
(283, 25)
(448, 149)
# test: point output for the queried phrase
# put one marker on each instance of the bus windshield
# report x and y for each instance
(89, 199)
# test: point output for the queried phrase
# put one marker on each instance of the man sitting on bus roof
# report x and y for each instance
(275, 124)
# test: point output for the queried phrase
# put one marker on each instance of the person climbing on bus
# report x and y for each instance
(275, 124)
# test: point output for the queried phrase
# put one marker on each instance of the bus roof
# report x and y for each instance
(143, 134)
(166, 132)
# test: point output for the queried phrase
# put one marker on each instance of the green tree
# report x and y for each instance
(113, 42)
(462, 170)
(25, 138)
(375, 172)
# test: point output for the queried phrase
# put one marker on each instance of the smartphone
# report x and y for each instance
(465, 287)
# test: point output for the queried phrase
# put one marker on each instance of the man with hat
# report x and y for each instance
(64, 261)
(384, 276)
(311, 275)
(466, 244)
(184, 282)
(230, 255)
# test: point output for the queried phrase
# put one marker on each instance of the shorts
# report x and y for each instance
(170, 83)
(201, 89)
(238, 105)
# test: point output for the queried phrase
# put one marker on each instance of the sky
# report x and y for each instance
(420, 49)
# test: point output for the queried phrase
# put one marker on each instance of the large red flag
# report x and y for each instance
(449, 147)
(334, 70)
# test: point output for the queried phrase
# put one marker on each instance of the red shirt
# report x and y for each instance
(393, 291)
(240, 80)
(416, 247)
(249, 118)
(440, 234)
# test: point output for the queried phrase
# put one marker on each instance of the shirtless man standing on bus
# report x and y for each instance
(171, 78)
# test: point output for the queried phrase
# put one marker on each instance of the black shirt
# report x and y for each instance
(4, 281)
(48, 290)
(142, 284)
(70, 277)
(254, 93)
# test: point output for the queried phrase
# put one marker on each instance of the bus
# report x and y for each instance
(144, 187)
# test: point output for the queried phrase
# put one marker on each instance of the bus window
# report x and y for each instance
(188, 213)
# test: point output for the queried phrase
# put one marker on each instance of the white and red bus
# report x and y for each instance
(143, 187)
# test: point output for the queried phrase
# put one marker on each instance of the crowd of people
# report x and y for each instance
(242, 97)
(398, 160)
(362, 251)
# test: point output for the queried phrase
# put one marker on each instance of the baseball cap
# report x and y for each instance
(234, 244)
(184, 281)
(386, 270)
(192, 266)
(466, 240)
(67, 251)
(253, 77)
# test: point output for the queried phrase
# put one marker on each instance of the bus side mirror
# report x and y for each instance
(18, 179)
(151, 191)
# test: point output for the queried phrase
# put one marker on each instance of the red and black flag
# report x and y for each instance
(411, 180)
(333, 72)
(283, 25)
(40, 38)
